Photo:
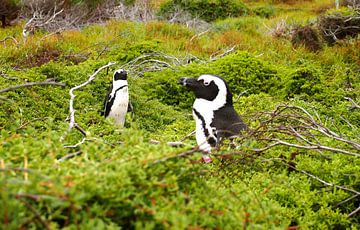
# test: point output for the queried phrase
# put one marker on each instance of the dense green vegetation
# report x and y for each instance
(51, 177)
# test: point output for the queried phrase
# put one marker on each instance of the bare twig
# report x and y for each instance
(31, 84)
(6, 99)
(354, 212)
(183, 154)
(322, 181)
(354, 104)
(36, 213)
(72, 123)
(198, 35)
(346, 200)
(70, 155)
(10, 38)
(187, 136)
(213, 58)
(77, 144)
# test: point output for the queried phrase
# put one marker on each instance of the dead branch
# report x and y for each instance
(10, 38)
(77, 144)
(6, 99)
(40, 20)
(73, 123)
(187, 136)
(354, 212)
(44, 223)
(346, 200)
(31, 84)
(322, 181)
(170, 143)
(354, 104)
(180, 155)
(68, 156)
(213, 57)
(198, 35)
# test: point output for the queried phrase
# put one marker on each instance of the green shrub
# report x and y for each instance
(243, 24)
(265, 11)
(241, 70)
(208, 10)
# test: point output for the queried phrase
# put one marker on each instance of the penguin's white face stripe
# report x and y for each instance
(220, 99)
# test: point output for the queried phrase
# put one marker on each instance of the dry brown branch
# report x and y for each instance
(5, 99)
(73, 123)
(44, 223)
(198, 35)
(346, 200)
(31, 84)
(77, 144)
(40, 19)
(187, 136)
(214, 56)
(179, 155)
(354, 104)
(68, 156)
(170, 143)
(10, 38)
(354, 212)
(322, 181)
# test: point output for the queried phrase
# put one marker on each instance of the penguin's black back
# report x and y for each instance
(227, 122)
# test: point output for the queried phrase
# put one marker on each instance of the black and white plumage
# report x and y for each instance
(117, 100)
(213, 111)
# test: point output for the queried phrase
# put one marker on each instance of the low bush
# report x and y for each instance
(306, 36)
(265, 11)
(339, 24)
(208, 10)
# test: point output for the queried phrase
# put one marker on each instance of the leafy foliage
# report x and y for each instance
(208, 10)
(118, 178)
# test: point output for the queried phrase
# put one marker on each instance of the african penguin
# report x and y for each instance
(117, 101)
(213, 111)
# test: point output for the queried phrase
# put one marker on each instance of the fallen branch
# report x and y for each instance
(10, 38)
(31, 84)
(354, 104)
(198, 35)
(183, 154)
(354, 212)
(68, 156)
(212, 58)
(36, 213)
(73, 123)
(77, 144)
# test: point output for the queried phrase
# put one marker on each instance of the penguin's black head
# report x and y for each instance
(208, 87)
(120, 74)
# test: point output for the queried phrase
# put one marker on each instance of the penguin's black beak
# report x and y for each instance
(188, 82)
(182, 81)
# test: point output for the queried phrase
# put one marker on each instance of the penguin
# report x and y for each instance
(213, 112)
(116, 103)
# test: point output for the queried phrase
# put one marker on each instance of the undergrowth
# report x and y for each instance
(130, 177)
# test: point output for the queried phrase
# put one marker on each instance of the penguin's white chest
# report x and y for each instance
(120, 106)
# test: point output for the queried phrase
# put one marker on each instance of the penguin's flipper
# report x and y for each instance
(130, 108)
(107, 103)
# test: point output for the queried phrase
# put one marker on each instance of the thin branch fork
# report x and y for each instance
(354, 104)
(309, 147)
(10, 38)
(31, 84)
(73, 123)
(44, 223)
